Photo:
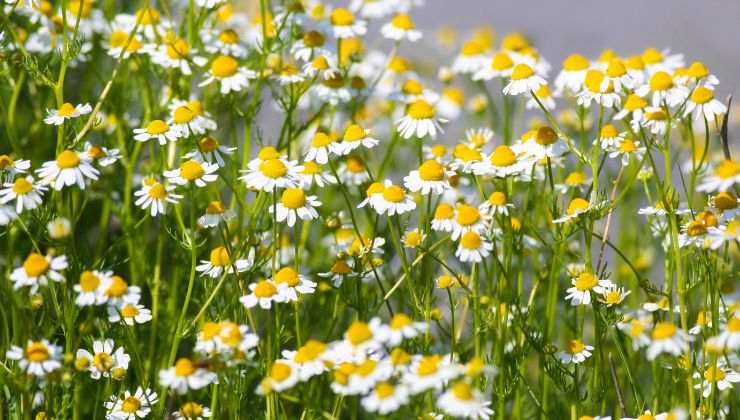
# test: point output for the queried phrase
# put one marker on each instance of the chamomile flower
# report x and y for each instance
(332, 89)
(702, 103)
(186, 375)
(450, 103)
(618, 75)
(473, 248)
(541, 143)
(312, 173)
(129, 312)
(472, 58)
(215, 213)
(264, 293)
(571, 77)
(10, 167)
(66, 112)
(544, 96)
(157, 130)
(627, 149)
(296, 284)
(91, 287)
(723, 177)
(575, 352)
(613, 295)
(7, 215)
(401, 27)
(430, 178)
(400, 328)
(444, 218)
(523, 81)
(598, 88)
(583, 285)
(465, 158)
(131, 406)
(503, 162)
(103, 361)
(344, 24)
(121, 43)
(468, 219)
(282, 375)
(311, 45)
(270, 171)
(321, 146)
(661, 88)
(37, 270)
(323, 67)
(478, 137)
(37, 358)
(193, 172)
(229, 74)
(224, 42)
(192, 410)
(155, 196)
(609, 137)
(729, 337)
(667, 338)
(385, 398)
(69, 168)
(419, 121)
(500, 66)
(393, 200)
(354, 137)
(177, 54)
(576, 207)
(724, 234)
(694, 233)
(189, 118)
(220, 261)
(496, 203)
(636, 329)
(25, 191)
(295, 204)
(309, 358)
(101, 154)
(662, 60)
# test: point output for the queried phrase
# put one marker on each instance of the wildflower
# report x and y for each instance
(523, 80)
(541, 144)
(468, 219)
(338, 271)
(129, 312)
(26, 193)
(473, 248)
(185, 375)
(263, 293)
(323, 67)
(462, 400)
(59, 228)
(471, 59)
(393, 200)
(282, 375)
(729, 338)
(444, 218)
(294, 282)
(230, 76)
(103, 361)
(158, 130)
(419, 121)
(295, 204)
(543, 96)
(177, 54)
(702, 103)
(101, 154)
(10, 167)
(667, 338)
(220, 262)
(413, 238)
(450, 103)
(132, 406)
(312, 174)
(502, 162)
(598, 88)
(501, 66)
(722, 377)
(662, 89)
(575, 352)
(37, 358)
(576, 207)
(189, 118)
(65, 112)
(37, 270)
(636, 330)
(401, 27)
(613, 295)
(609, 137)
(312, 44)
(361, 337)
(478, 137)
(428, 179)
(226, 338)
(309, 358)
(91, 288)
(269, 171)
(626, 149)
(192, 171)
(571, 78)
(321, 146)
(583, 285)
(399, 328)
(496, 204)
(726, 174)
(192, 410)
(155, 196)
(354, 137)
(385, 398)
(119, 292)
(69, 168)
(635, 106)
(465, 158)
(224, 42)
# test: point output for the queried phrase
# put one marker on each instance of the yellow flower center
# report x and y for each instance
(341, 267)
(661, 81)
(546, 135)
(616, 68)
(6, 161)
(733, 325)
(497, 198)
(466, 154)
(575, 62)
(412, 87)
(646, 416)
(66, 110)
(577, 205)
(636, 328)
(714, 374)
(366, 368)
(184, 367)
(575, 178)
(102, 361)
(609, 131)
(157, 127)
(444, 211)
(273, 168)
(394, 194)
(503, 156)
(191, 410)
(455, 95)
(148, 16)
(130, 405)
(191, 170)
(68, 159)
(586, 281)
(594, 81)
(129, 311)
(400, 321)
(462, 391)
(183, 115)
(320, 63)
(89, 281)
(157, 191)
(313, 39)
(117, 288)
(293, 198)
(613, 297)
(35, 265)
(501, 61)
(267, 153)
(342, 17)
(428, 365)
(384, 390)
(310, 351)
(575, 346)
(311, 168)
(224, 66)
(220, 257)
(178, 50)
(354, 133)
(634, 102)
(663, 330)
(280, 371)
(265, 289)
(288, 276)
(702, 95)
(467, 215)
(725, 201)
(522, 71)
(727, 169)
(698, 70)
(472, 48)
(21, 186)
(627, 146)
(431, 170)
(470, 240)
(320, 140)
(652, 56)
(358, 333)
(420, 110)
(210, 330)
(228, 36)
(37, 352)
(439, 150)
(403, 21)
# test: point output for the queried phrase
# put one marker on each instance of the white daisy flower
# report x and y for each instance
(192, 410)
(598, 88)
(385, 398)
(323, 67)
(269, 172)
(7, 215)
(69, 168)
(189, 118)
(158, 130)
(10, 167)
(429, 372)
(428, 179)
(224, 42)
(283, 375)
(310, 359)
(471, 59)
(263, 293)
(613, 295)
(575, 352)
(571, 77)
(92, 286)
(37, 270)
(462, 400)
(177, 54)
(26, 193)
(583, 285)
(101, 154)
(37, 358)
(400, 328)
(576, 207)
(312, 174)
(354, 137)
(353, 171)
(209, 150)
(129, 313)
(103, 361)
(215, 214)
(192, 171)
(725, 175)
(65, 112)
(523, 81)
(132, 406)
(473, 248)
(231, 77)
(500, 66)
(343, 24)
(401, 27)
(186, 375)
(295, 283)
(667, 338)
(220, 262)
(419, 121)
(503, 162)
(661, 88)
(155, 196)
(544, 95)
(322, 145)
(393, 200)
(295, 204)
(636, 329)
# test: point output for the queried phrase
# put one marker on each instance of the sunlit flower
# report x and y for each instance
(193, 172)
(354, 137)
(131, 406)
(463, 400)
(295, 204)
(385, 398)
(429, 178)
(192, 410)
(229, 74)
(627, 149)
(282, 375)
(155, 196)
(158, 130)
(215, 214)
(662, 89)
(177, 54)
(583, 285)
(186, 375)
(91, 287)
(312, 173)
(667, 338)
(295, 283)
(419, 121)
(103, 361)
(523, 80)
(65, 112)
(25, 191)
(37, 270)
(575, 352)
(613, 295)
(472, 58)
(103, 155)
(263, 293)
(503, 162)
(725, 175)
(473, 248)
(37, 358)
(572, 75)
(220, 262)
(322, 145)
(69, 168)
(344, 24)
(576, 207)
(496, 203)
(130, 312)
(401, 27)
(269, 171)
(189, 118)
(309, 358)
(718, 376)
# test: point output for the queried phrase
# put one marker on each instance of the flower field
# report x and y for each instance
(275, 209)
